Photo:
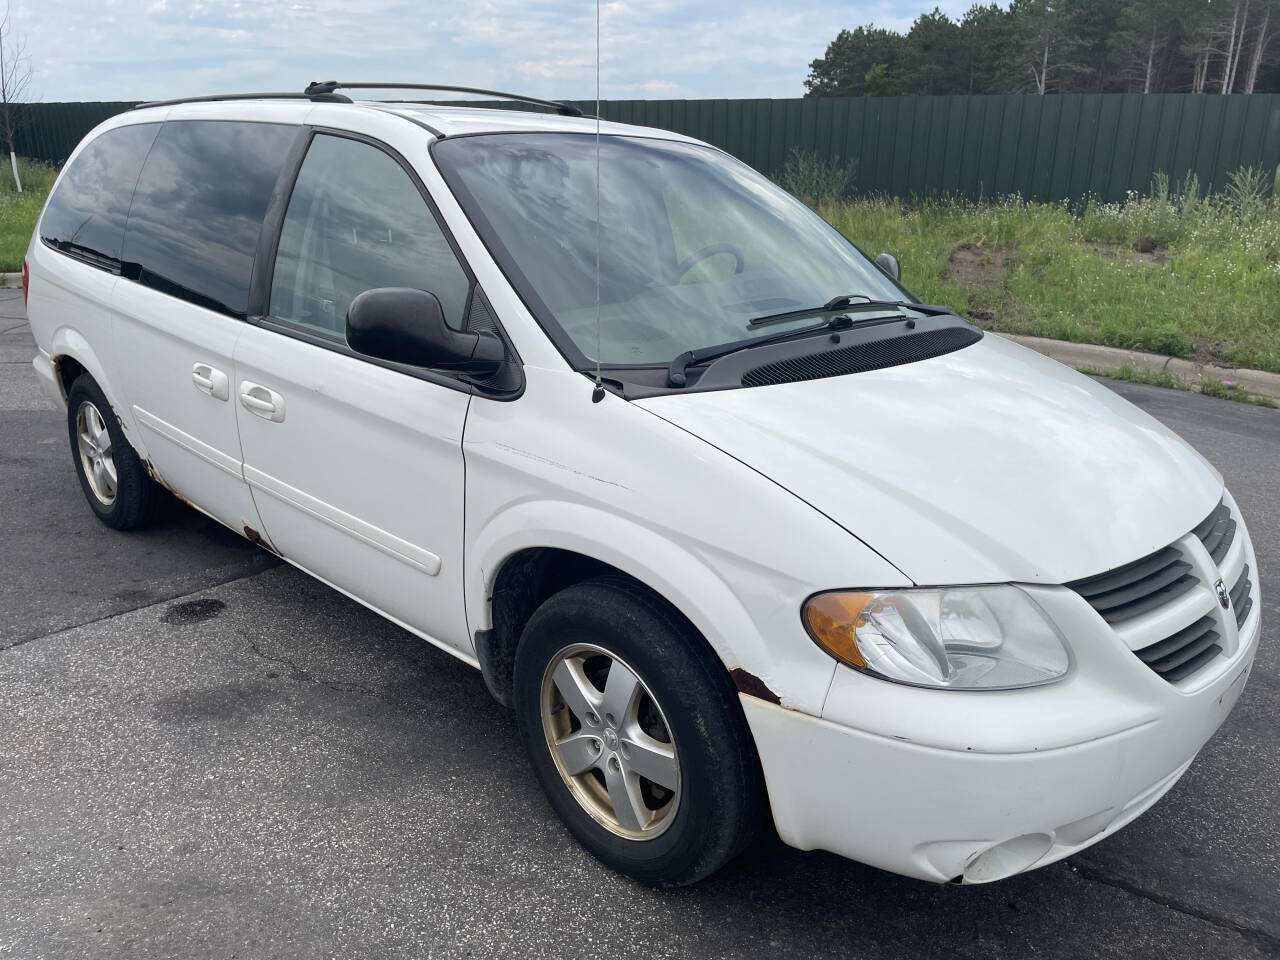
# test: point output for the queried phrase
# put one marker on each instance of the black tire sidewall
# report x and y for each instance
(135, 493)
(719, 789)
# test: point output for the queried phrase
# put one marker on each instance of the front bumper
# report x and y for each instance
(941, 785)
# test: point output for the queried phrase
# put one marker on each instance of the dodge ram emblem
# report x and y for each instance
(1220, 589)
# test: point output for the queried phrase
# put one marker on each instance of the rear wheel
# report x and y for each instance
(635, 733)
(112, 477)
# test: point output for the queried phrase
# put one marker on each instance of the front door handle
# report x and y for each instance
(261, 401)
(210, 380)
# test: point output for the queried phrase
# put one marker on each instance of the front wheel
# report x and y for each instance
(635, 733)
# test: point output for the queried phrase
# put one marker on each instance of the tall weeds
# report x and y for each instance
(1173, 270)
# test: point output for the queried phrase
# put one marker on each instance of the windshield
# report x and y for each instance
(693, 244)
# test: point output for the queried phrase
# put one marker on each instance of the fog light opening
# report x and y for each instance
(1006, 859)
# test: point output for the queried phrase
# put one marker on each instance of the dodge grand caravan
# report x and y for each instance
(738, 527)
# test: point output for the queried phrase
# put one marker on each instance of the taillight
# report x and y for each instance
(26, 279)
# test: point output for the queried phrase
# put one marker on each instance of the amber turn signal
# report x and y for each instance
(833, 620)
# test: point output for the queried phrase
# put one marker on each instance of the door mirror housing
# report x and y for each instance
(889, 264)
(407, 326)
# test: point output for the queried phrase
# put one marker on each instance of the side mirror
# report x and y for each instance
(407, 326)
(889, 264)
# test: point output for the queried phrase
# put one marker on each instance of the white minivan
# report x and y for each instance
(739, 528)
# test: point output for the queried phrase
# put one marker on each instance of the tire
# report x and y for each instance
(716, 805)
(130, 498)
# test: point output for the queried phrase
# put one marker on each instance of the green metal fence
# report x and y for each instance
(1047, 148)
(50, 131)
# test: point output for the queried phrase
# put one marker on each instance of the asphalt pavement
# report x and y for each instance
(204, 753)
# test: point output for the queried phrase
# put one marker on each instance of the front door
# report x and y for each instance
(356, 465)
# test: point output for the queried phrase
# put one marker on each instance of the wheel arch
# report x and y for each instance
(523, 562)
(72, 355)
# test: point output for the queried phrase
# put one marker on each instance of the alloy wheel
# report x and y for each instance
(610, 741)
(93, 441)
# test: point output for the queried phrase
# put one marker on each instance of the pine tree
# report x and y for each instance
(1058, 46)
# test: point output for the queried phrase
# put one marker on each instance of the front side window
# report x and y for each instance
(356, 221)
(198, 209)
(693, 244)
(87, 212)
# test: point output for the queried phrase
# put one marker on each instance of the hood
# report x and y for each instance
(985, 465)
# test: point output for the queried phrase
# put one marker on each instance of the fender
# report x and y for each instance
(672, 570)
(734, 552)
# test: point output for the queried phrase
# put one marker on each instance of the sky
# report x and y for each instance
(153, 49)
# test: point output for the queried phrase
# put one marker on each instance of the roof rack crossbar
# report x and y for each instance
(323, 96)
(328, 88)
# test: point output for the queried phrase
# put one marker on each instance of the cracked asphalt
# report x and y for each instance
(206, 754)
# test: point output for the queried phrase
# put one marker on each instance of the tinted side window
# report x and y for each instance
(357, 221)
(196, 215)
(87, 213)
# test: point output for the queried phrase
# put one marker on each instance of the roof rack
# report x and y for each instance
(326, 92)
(328, 88)
(217, 97)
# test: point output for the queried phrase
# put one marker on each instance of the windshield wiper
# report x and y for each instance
(676, 376)
(846, 302)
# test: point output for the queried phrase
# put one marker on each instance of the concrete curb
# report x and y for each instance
(1104, 359)
(10, 279)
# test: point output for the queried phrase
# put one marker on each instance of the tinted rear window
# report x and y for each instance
(87, 212)
(197, 212)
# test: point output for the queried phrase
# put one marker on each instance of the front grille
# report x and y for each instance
(862, 357)
(1138, 587)
(1140, 600)
(1242, 597)
(1216, 532)
(1185, 652)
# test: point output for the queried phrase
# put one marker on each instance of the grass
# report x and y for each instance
(1161, 378)
(1154, 378)
(1171, 272)
(19, 211)
(1216, 388)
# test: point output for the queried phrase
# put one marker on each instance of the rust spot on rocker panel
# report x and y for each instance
(253, 536)
(752, 685)
(155, 475)
(250, 534)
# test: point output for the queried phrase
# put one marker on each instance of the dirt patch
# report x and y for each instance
(1146, 252)
(973, 266)
(1205, 350)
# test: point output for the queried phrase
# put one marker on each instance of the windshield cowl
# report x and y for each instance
(677, 375)
(811, 354)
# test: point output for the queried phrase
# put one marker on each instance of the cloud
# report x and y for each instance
(140, 49)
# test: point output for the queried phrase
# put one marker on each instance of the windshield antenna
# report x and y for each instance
(598, 393)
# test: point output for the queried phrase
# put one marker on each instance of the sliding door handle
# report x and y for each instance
(261, 401)
(210, 380)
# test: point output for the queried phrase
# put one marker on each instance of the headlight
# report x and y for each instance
(956, 638)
